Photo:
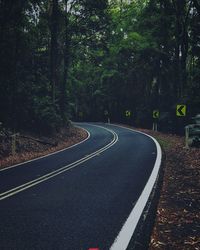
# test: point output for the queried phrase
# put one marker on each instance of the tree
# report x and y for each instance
(76, 59)
(31, 48)
(54, 26)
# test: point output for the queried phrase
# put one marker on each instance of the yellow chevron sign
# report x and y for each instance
(128, 113)
(181, 110)
(156, 114)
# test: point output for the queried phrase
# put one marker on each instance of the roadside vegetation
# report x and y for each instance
(90, 60)
(87, 60)
(178, 216)
(31, 146)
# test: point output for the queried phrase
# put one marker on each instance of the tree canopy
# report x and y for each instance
(87, 60)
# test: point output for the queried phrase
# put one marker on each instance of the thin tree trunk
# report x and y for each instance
(181, 50)
(63, 94)
(54, 47)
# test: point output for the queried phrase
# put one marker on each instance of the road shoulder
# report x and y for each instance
(177, 219)
(29, 147)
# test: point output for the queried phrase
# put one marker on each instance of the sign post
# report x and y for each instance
(14, 143)
(180, 114)
(128, 116)
(106, 113)
(187, 129)
(156, 115)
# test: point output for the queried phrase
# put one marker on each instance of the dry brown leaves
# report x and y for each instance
(177, 223)
(28, 149)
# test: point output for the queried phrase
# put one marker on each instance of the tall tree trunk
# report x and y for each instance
(178, 31)
(165, 63)
(54, 12)
(181, 52)
(63, 94)
(10, 42)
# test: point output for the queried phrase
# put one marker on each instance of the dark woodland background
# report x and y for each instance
(86, 60)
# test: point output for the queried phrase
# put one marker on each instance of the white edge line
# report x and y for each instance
(122, 240)
(53, 153)
(50, 175)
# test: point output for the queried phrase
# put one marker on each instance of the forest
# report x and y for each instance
(86, 60)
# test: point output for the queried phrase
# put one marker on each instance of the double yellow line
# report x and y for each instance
(54, 173)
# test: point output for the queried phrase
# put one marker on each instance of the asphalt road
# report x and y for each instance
(79, 198)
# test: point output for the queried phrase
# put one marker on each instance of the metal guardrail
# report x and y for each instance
(192, 133)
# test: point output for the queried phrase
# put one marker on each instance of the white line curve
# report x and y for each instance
(122, 240)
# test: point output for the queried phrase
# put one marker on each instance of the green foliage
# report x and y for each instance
(47, 117)
(100, 55)
(25, 73)
(136, 66)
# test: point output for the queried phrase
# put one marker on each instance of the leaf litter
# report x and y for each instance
(177, 224)
(30, 146)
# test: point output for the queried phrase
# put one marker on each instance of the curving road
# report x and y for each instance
(87, 196)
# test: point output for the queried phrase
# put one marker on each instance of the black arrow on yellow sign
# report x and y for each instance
(156, 114)
(181, 110)
(128, 113)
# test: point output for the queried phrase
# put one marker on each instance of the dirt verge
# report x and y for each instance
(30, 146)
(177, 224)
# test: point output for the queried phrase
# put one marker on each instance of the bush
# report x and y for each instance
(47, 115)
